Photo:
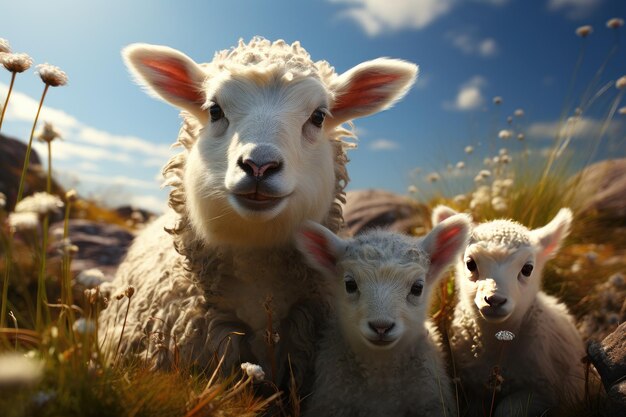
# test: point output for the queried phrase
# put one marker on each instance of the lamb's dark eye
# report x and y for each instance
(216, 112)
(471, 265)
(351, 286)
(527, 270)
(317, 118)
(416, 289)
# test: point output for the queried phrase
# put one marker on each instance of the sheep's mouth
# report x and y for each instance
(381, 342)
(258, 201)
(496, 315)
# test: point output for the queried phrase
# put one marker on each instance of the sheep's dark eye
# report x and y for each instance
(527, 270)
(317, 118)
(351, 286)
(471, 265)
(216, 112)
(416, 289)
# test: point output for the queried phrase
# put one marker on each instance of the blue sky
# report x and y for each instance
(117, 138)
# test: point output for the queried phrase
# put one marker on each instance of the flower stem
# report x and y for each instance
(6, 101)
(66, 288)
(49, 181)
(42, 297)
(30, 145)
(5, 284)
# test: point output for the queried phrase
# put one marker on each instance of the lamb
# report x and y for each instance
(264, 150)
(499, 285)
(379, 355)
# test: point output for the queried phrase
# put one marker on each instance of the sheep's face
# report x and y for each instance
(380, 281)
(500, 272)
(264, 160)
(264, 163)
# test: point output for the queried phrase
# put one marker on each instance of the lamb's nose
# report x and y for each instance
(381, 327)
(495, 300)
(258, 169)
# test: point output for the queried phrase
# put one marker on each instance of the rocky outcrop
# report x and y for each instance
(601, 188)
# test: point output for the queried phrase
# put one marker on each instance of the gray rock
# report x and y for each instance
(602, 188)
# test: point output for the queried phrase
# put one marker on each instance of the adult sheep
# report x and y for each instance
(263, 152)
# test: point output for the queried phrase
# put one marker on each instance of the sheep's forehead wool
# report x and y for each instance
(502, 233)
(263, 55)
(378, 245)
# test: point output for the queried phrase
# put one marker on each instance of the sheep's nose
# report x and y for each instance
(258, 169)
(381, 327)
(495, 300)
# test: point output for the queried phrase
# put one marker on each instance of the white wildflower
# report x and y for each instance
(509, 119)
(485, 173)
(253, 371)
(507, 183)
(584, 31)
(4, 46)
(505, 335)
(51, 75)
(90, 277)
(497, 100)
(16, 62)
(504, 134)
(460, 199)
(487, 162)
(520, 136)
(41, 203)
(18, 371)
(505, 159)
(433, 177)
(503, 151)
(460, 165)
(71, 196)
(469, 149)
(615, 23)
(66, 247)
(496, 160)
(621, 82)
(84, 327)
(48, 133)
(518, 113)
(480, 197)
(412, 189)
(499, 204)
(22, 222)
(3, 201)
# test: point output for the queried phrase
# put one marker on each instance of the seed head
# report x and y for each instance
(90, 278)
(505, 335)
(40, 203)
(4, 46)
(497, 100)
(22, 222)
(48, 133)
(412, 189)
(621, 82)
(519, 113)
(3, 201)
(615, 23)
(505, 134)
(520, 136)
(433, 177)
(129, 291)
(469, 149)
(16, 62)
(460, 165)
(71, 196)
(66, 247)
(584, 31)
(253, 371)
(460, 199)
(51, 75)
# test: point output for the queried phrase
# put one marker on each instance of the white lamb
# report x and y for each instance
(263, 152)
(380, 354)
(499, 287)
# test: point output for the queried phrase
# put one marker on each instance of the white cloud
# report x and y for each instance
(470, 96)
(115, 180)
(378, 16)
(149, 202)
(64, 151)
(24, 108)
(581, 128)
(383, 145)
(574, 9)
(471, 45)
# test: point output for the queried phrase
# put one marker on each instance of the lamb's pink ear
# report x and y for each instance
(168, 74)
(440, 213)
(445, 243)
(321, 248)
(370, 87)
(551, 235)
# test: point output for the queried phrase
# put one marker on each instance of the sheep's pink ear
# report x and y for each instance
(321, 248)
(168, 74)
(445, 243)
(440, 213)
(370, 87)
(551, 235)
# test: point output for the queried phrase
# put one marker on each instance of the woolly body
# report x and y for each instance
(364, 369)
(257, 163)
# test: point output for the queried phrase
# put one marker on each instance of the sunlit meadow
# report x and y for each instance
(51, 362)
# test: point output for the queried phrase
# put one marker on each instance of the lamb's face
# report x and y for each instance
(381, 281)
(381, 301)
(264, 162)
